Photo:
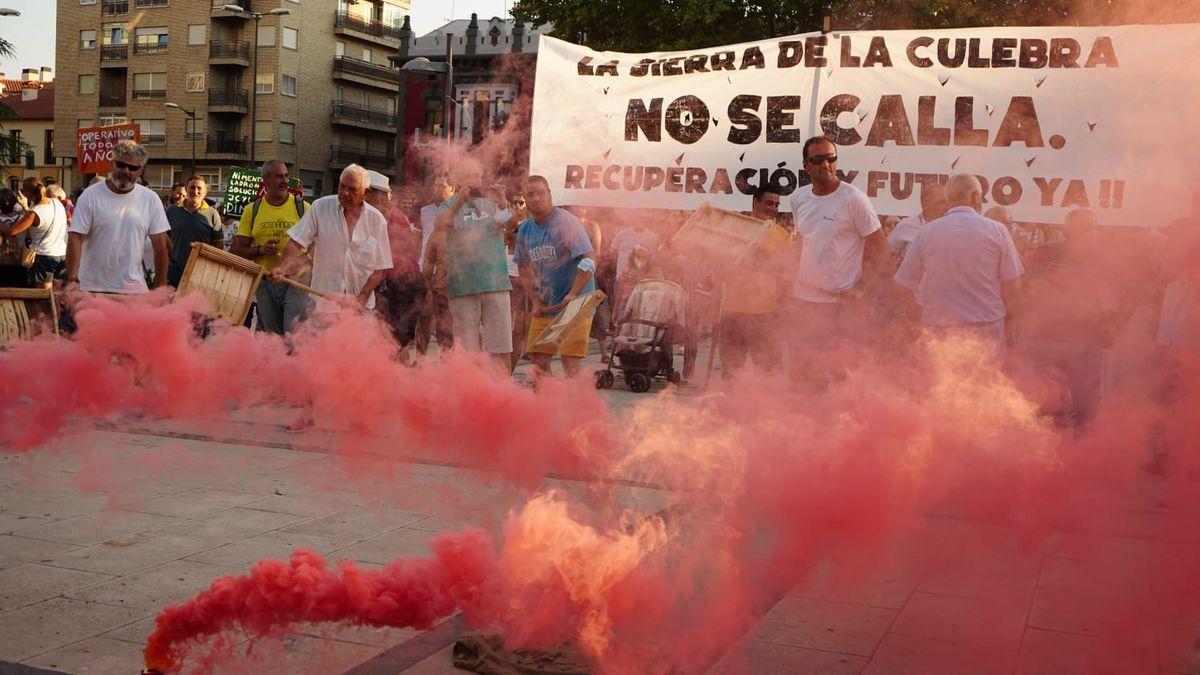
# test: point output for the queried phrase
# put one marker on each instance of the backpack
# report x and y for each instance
(297, 200)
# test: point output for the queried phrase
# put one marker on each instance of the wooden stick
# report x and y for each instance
(303, 287)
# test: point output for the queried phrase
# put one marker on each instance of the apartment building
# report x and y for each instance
(31, 100)
(323, 93)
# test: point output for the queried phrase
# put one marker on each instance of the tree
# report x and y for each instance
(10, 147)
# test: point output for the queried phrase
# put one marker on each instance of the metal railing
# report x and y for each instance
(360, 113)
(189, 135)
(149, 94)
(351, 66)
(154, 139)
(113, 7)
(235, 146)
(375, 28)
(149, 48)
(229, 49)
(149, 3)
(341, 154)
(234, 97)
(112, 101)
(114, 52)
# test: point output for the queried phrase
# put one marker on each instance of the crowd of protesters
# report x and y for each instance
(486, 266)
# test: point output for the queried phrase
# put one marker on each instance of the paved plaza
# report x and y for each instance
(100, 533)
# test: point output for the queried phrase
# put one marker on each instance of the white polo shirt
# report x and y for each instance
(116, 226)
(341, 264)
(957, 265)
(834, 228)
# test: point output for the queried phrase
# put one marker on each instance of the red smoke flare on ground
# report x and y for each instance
(407, 593)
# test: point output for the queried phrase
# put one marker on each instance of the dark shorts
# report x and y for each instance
(405, 299)
(47, 268)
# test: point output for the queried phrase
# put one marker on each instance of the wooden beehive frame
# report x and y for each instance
(227, 281)
(568, 320)
(14, 312)
(722, 236)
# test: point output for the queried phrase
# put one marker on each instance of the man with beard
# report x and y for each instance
(111, 222)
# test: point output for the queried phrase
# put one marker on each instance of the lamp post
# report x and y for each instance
(424, 65)
(192, 116)
(257, 16)
(4, 11)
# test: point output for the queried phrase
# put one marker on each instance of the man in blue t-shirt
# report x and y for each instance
(557, 263)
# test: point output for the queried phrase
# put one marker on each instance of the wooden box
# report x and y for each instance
(20, 309)
(718, 237)
(227, 281)
(569, 320)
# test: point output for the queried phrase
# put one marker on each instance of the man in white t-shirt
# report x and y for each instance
(841, 238)
(964, 268)
(348, 241)
(109, 228)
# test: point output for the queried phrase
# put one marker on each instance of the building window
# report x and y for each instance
(266, 36)
(85, 123)
(367, 55)
(195, 82)
(287, 85)
(393, 15)
(262, 130)
(159, 176)
(48, 147)
(287, 132)
(154, 132)
(212, 176)
(149, 85)
(339, 48)
(290, 38)
(110, 120)
(87, 85)
(114, 34)
(193, 127)
(150, 40)
(197, 34)
(87, 2)
(265, 84)
(87, 39)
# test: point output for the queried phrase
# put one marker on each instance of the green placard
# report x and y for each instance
(241, 188)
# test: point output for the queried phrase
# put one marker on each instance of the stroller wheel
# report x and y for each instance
(639, 382)
(604, 379)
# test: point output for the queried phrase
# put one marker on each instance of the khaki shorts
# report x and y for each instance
(483, 322)
(576, 345)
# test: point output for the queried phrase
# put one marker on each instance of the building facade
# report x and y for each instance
(322, 92)
(31, 100)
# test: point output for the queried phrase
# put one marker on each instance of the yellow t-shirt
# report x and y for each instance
(273, 223)
(748, 290)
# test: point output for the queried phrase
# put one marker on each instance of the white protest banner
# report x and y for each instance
(1051, 118)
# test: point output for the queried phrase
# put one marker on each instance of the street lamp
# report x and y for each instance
(192, 116)
(4, 11)
(257, 16)
(424, 65)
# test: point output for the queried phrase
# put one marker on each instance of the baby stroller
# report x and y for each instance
(653, 322)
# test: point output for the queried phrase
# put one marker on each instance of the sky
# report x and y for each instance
(32, 33)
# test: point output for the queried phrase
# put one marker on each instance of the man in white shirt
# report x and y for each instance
(109, 228)
(964, 268)
(933, 206)
(348, 241)
(841, 238)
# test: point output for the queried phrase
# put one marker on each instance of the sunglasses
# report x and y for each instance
(128, 167)
(519, 202)
(818, 160)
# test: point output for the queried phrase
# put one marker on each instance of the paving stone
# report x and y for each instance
(985, 623)
(387, 547)
(29, 583)
(98, 527)
(769, 658)
(1098, 610)
(36, 629)
(1178, 648)
(52, 506)
(296, 655)
(829, 626)
(364, 635)
(304, 503)
(157, 587)
(277, 545)
(14, 521)
(1046, 652)
(94, 656)
(193, 503)
(437, 664)
(911, 655)
(231, 525)
(20, 550)
(348, 527)
(126, 555)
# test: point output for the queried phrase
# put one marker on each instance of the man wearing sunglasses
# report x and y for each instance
(109, 228)
(839, 229)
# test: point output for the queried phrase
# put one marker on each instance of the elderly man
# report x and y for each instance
(112, 220)
(963, 268)
(348, 240)
(403, 288)
(260, 235)
(933, 206)
(841, 239)
(192, 220)
(477, 282)
(557, 262)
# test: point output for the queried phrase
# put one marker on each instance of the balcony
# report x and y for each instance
(229, 53)
(365, 73)
(227, 146)
(365, 29)
(150, 48)
(110, 54)
(149, 94)
(114, 7)
(219, 11)
(154, 139)
(228, 100)
(112, 100)
(376, 119)
(341, 155)
(149, 3)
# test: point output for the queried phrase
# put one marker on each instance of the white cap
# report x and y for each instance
(378, 181)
